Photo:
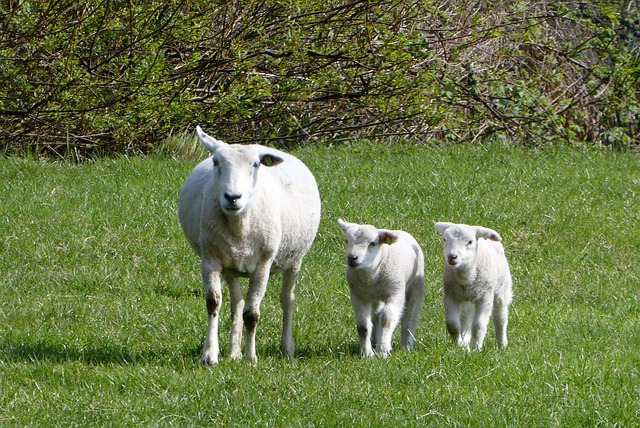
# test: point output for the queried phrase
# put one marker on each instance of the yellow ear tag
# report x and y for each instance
(387, 239)
(267, 160)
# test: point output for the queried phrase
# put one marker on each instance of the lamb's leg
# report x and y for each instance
(480, 321)
(452, 312)
(237, 305)
(387, 323)
(411, 315)
(363, 322)
(287, 300)
(500, 321)
(213, 293)
(467, 311)
(251, 314)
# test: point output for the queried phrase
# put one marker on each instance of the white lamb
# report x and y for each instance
(477, 283)
(248, 211)
(385, 273)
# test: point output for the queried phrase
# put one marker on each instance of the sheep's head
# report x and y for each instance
(236, 171)
(461, 242)
(364, 243)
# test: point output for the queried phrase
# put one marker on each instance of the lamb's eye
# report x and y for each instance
(372, 244)
(215, 162)
(470, 242)
(256, 164)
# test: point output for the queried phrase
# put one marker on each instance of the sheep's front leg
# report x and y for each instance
(213, 293)
(237, 305)
(480, 321)
(251, 314)
(287, 300)
(363, 322)
(388, 320)
(452, 312)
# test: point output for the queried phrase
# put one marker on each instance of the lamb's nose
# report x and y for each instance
(232, 197)
(352, 259)
(453, 258)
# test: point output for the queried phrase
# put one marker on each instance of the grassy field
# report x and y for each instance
(102, 314)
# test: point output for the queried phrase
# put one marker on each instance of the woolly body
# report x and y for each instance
(248, 211)
(385, 272)
(476, 283)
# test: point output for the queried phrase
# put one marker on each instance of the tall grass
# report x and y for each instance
(102, 314)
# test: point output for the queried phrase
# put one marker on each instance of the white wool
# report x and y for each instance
(248, 211)
(477, 283)
(385, 272)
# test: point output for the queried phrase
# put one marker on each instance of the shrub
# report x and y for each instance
(120, 77)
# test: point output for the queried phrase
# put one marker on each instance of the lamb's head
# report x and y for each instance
(236, 171)
(364, 243)
(461, 242)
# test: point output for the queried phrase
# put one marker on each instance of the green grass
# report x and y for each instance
(102, 314)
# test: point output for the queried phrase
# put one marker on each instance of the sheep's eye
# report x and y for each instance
(215, 162)
(372, 244)
(256, 164)
(470, 242)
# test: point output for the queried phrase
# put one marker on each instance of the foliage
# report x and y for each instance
(102, 312)
(122, 76)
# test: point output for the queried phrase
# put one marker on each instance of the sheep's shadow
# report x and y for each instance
(92, 355)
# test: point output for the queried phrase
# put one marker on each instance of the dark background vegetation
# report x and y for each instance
(104, 77)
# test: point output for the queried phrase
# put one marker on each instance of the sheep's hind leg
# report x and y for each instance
(411, 316)
(237, 305)
(213, 295)
(287, 300)
(500, 321)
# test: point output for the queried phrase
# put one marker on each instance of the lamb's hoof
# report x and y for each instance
(209, 360)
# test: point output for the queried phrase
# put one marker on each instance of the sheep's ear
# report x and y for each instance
(344, 225)
(208, 141)
(442, 226)
(387, 237)
(485, 232)
(269, 159)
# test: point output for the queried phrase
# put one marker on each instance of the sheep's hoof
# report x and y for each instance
(236, 356)
(209, 360)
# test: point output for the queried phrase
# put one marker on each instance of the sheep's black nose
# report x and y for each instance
(232, 197)
(352, 260)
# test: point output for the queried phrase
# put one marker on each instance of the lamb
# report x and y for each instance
(477, 283)
(248, 211)
(385, 273)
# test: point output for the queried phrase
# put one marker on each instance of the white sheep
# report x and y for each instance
(385, 272)
(477, 283)
(248, 211)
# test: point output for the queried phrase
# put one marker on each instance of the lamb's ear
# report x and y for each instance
(208, 141)
(344, 225)
(442, 226)
(485, 232)
(387, 237)
(270, 159)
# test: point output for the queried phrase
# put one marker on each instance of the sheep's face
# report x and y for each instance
(236, 171)
(460, 246)
(364, 244)
(461, 242)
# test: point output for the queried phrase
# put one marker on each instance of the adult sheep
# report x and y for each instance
(248, 211)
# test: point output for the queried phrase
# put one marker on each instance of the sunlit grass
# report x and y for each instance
(102, 314)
